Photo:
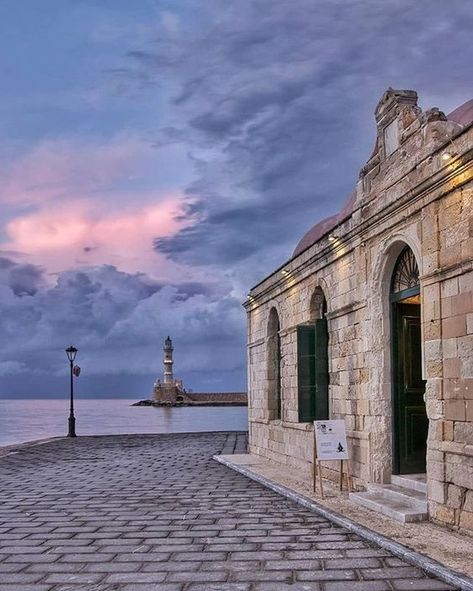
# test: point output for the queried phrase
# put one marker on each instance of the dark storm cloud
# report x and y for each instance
(118, 322)
(6, 263)
(23, 279)
(275, 101)
(229, 235)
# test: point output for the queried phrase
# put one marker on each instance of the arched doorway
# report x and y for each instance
(410, 423)
(274, 366)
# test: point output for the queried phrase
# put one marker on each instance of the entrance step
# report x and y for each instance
(399, 502)
(412, 481)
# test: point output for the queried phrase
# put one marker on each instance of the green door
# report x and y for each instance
(410, 418)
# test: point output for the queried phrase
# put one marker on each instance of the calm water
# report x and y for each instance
(25, 420)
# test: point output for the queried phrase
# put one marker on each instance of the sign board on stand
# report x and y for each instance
(331, 440)
(330, 443)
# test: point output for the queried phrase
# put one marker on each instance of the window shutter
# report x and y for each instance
(278, 389)
(321, 369)
(306, 372)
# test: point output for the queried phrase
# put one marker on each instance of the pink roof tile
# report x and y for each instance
(462, 114)
(323, 227)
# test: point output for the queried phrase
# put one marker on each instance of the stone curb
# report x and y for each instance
(430, 566)
(12, 448)
(15, 447)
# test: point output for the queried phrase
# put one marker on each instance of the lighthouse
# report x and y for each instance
(168, 349)
(170, 391)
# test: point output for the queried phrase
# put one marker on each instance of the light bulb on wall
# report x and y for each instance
(446, 156)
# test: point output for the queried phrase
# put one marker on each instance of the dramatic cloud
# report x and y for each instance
(277, 103)
(71, 203)
(76, 234)
(116, 319)
(25, 279)
(146, 189)
(22, 279)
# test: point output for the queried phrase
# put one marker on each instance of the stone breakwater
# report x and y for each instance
(201, 399)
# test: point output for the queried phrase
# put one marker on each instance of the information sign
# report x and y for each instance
(331, 440)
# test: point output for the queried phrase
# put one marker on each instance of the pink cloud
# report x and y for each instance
(53, 167)
(76, 202)
(58, 169)
(76, 235)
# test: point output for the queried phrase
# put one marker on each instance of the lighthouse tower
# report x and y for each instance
(170, 391)
(168, 349)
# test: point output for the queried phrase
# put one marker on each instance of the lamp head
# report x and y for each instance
(71, 353)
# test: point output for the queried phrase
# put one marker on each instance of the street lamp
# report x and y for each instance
(71, 353)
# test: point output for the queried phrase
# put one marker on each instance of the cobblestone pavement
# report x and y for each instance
(156, 513)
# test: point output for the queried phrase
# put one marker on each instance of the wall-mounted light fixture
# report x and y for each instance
(285, 273)
(450, 152)
(332, 237)
(446, 156)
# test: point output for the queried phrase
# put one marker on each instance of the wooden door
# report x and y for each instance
(410, 418)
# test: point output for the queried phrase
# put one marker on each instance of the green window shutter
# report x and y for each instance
(278, 389)
(321, 369)
(306, 372)
(312, 371)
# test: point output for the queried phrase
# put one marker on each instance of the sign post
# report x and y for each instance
(330, 443)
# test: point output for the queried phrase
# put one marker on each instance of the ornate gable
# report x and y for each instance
(405, 136)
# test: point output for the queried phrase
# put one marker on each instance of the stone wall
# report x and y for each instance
(413, 197)
(227, 397)
(448, 329)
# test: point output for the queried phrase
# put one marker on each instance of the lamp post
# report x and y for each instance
(71, 353)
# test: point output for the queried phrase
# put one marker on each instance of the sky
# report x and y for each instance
(158, 159)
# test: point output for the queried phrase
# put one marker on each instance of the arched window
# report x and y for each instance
(318, 305)
(405, 279)
(274, 366)
(312, 362)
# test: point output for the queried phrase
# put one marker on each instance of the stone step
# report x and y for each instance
(403, 511)
(411, 481)
(399, 493)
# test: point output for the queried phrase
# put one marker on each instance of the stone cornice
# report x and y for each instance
(446, 179)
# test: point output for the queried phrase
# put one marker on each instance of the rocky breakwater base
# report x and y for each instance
(200, 399)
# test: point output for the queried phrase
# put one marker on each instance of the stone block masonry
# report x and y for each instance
(415, 195)
(141, 513)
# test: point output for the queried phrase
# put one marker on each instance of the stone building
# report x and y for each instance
(371, 319)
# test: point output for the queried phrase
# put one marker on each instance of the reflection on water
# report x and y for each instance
(25, 420)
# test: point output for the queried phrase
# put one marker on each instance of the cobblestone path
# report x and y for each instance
(156, 513)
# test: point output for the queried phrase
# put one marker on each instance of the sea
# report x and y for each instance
(28, 420)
